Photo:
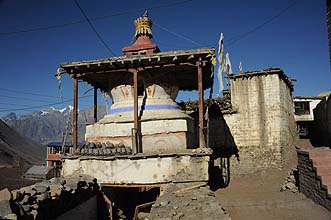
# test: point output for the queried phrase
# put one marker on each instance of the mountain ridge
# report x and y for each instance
(46, 125)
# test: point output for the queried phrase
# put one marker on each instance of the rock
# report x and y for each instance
(41, 187)
(26, 208)
(17, 208)
(42, 196)
(55, 190)
(34, 213)
(4, 208)
(291, 179)
(35, 206)
(27, 190)
(83, 151)
(11, 216)
(142, 215)
(5, 194)
(295, 190)
(290, 186)
(17, 195)
(25, 199)
(90, 151)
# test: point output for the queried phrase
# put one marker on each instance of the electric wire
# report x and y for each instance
(23, 98)
(95, 31)
(27, 92)
(178, 35)
(169, 4)
(45, 105)
(239, 37)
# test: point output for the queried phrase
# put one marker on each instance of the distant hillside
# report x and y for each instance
(16, 149)
(48, 125)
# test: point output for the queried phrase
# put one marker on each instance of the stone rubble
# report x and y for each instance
(187, 201)
(290, 182)
(223, 103)
(45, 200)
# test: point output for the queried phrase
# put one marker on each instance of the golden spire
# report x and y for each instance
(143, 25)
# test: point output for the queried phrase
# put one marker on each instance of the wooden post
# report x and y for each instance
(200, 88)
(75, 115)
(95, 104)
(135, 112)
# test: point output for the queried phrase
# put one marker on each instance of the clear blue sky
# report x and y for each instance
(295, 41)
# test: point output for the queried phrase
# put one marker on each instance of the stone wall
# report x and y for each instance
(262, 129)
(321, 135)
(313, 167)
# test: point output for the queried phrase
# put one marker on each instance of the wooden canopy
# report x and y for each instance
(174, 67)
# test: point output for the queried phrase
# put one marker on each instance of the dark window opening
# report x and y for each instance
(301, 108)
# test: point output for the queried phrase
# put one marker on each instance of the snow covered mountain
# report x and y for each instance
(48, 125)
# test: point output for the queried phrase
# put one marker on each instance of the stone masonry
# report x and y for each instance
(314, 168)
(261, 128)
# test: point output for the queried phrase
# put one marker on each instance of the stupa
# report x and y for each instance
(162, 125)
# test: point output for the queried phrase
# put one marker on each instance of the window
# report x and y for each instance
(301, 108)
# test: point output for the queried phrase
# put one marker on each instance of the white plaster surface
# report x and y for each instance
(147, 128)
(140, 171)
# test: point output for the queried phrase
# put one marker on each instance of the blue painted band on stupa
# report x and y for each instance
(146, 107)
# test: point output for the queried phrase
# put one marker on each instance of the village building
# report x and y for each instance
(55, 150)
(304, 113)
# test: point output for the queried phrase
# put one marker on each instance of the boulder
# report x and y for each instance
(26, 208)
(25, 199)
(290, 186)
(5, 194)
(27, 190)
(55, 190)
(41, 187)
(17, 195)
(11, 216)
(34, 213)
(4, 208)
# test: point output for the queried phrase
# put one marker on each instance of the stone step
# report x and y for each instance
(320, 154)
(328, 186)
(321, 171)
(322, 162)
(326, 180)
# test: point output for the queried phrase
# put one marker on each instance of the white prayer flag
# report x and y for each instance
(221, 63)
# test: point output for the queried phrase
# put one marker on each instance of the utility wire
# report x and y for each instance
(23, 98)
(95, 31)
(177, 35)
(93, 19)
(235, 39)
(28, 93)
(41, 106)
(3, 103)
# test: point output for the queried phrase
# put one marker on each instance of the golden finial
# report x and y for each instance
(143, 25)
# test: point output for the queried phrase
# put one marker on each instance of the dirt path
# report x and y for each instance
(258, 197)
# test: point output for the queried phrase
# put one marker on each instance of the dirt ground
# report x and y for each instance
(258, 197)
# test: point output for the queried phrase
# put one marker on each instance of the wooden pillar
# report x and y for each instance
(200, 88)
(95, 101)
(75, 116)
(135, 147)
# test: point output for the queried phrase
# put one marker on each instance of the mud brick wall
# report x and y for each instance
(263, 127)
(309, 183)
